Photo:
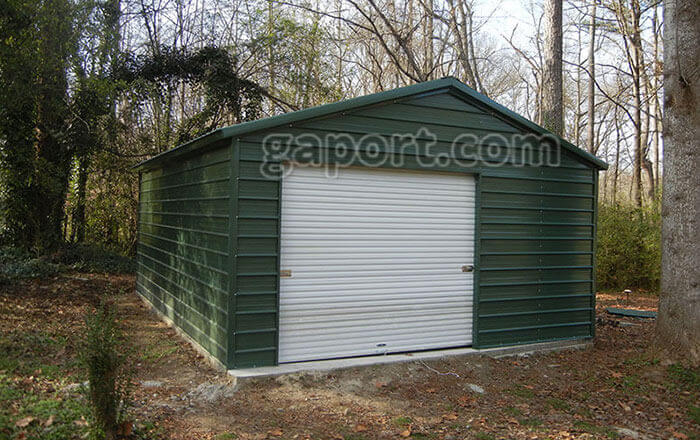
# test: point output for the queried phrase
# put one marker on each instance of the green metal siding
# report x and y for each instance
(535, 225)
(256, 277)
(183, 254)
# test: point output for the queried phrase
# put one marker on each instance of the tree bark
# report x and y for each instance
(636, 66)
(552, 92)
(591, 83)
(678, 324)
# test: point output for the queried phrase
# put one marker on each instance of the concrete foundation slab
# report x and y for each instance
(244, 374)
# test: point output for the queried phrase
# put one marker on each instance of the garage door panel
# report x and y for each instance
(375, 259)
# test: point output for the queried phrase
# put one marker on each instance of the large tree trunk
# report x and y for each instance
(678, 326)
(52, 152)
(552, 94)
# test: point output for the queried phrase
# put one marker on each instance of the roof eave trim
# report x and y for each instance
(509, 114)
(354, 103)
(180, 150)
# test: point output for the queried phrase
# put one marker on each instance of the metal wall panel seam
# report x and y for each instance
(278, 245)
(595, 249)
(182, 185)
(234, 171)
(205, 165)
(138, 227)
(477, 263)
(202, 282)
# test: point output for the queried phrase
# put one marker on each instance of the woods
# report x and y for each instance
(116, 82)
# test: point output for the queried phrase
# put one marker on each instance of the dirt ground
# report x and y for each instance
(617, 389)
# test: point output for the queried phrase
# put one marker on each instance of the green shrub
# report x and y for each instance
(105, 364)
(16, 263)
(629, 247)
(92, 258)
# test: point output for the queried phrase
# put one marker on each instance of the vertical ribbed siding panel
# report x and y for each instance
(183, 254)
(257, 265)
(375, 257)
(536, 280)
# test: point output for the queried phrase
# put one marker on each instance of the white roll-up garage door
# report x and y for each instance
(373, 261)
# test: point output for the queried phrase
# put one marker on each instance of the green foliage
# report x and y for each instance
(629, 247)
(594, 429)
(213, 68)
(105, 364)
(686, 378)
(36, 43)
(18, 263)
(92, 258)
(402, 421)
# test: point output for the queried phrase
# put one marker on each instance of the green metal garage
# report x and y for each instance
(419, 218)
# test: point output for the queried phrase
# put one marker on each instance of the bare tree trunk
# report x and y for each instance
(429, 65)
(617, 157)
(678, 325)
(636, 65)
(591, 83)
(552, 89)
(657, 105)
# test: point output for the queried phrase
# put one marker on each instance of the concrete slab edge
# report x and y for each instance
(214, 362)
(249, 375)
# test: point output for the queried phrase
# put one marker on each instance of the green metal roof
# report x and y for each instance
(447, 83)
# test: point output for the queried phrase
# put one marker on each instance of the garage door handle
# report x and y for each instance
(285, 273)
(468, 268)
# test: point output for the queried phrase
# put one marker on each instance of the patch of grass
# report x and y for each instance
(694, 413)
(40, 409)
(596, 430)
(532, 422)
(402, 421)
(157, 352)
(226, 436)
(558, 404)
(641, 361)
(512, 411)
(521, 391)
(585, 412)
(484, 436)
(684, 377)
(630, 382)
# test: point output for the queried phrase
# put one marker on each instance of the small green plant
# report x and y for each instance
(109, 382)
(402, 421)
(685, 377)
(558, 404)
(631, 382)
(226, 436)
(694, 413)
(594, 429)
(484, 436)
(512, 411)
(532, 422)
(521, 391)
